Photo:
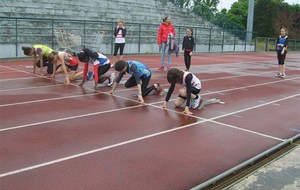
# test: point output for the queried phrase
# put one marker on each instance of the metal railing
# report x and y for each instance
(16, 32)
(269, 44)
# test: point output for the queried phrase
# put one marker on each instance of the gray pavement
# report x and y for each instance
(281, 174)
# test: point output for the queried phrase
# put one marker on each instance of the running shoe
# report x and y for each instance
(111, 79)
(278, 75)
(157, 89)
(89, 75)
(283, 76)
(195, 102)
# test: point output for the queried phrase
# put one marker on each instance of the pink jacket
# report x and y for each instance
(163, 31)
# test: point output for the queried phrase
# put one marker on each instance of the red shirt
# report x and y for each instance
(163, 32)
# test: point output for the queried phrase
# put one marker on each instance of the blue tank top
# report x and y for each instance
(281, 40)
(142, 69)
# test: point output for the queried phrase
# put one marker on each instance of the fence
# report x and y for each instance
(269, 44)
(98, 35)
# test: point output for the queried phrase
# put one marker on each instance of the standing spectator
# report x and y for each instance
(119, 33)
(188, 47)
(166, 28)
(282, 42)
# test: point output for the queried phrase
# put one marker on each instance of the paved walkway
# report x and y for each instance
(281, 174)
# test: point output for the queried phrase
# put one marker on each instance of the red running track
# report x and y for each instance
(55, 136)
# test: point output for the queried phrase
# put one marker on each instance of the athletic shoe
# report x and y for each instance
(168, 67)
(278, 75)
(195, 102)
(283, 76)
(89, 75)
(157, 90)
(161, 68)
(111, 79)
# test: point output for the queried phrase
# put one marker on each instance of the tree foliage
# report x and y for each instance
(238, 12)
(269, 15)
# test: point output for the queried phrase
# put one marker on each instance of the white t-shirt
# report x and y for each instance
(119, 38)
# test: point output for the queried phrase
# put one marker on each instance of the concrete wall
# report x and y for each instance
(91, 22)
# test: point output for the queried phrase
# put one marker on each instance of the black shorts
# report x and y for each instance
(194, 91)
(281, 58)
(103, 69)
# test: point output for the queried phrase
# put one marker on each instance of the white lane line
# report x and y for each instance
(67, 118)
(30, 88)
(209, 92)
(17, 79)
(216, 92)
(248, 131)
(134, 140)
(275, 104)
(94, 151)
(251, 86)
(293, 129)
(254, 107)
(48, 99)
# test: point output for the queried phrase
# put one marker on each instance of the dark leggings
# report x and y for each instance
(117, 46)
(280, 57)
(145, 81)
(187, 59)
(101, 71)
(45, 64)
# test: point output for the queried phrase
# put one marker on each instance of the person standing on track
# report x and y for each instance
(188, 47)
(165, 29)
(119, 33)
(66, 61)
(190, 92)
(282, 46)
(42, 52)
(140, 73)
(101, 65)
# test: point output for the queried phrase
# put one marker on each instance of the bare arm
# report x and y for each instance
(34, 63)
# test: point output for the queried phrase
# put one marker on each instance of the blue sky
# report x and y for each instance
(227, 3)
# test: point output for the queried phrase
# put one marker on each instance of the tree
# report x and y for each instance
(271, 15)
(238, 12)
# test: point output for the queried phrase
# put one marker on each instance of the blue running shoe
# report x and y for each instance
(89, 75)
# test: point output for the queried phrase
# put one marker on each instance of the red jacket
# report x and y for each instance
(163, 32)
